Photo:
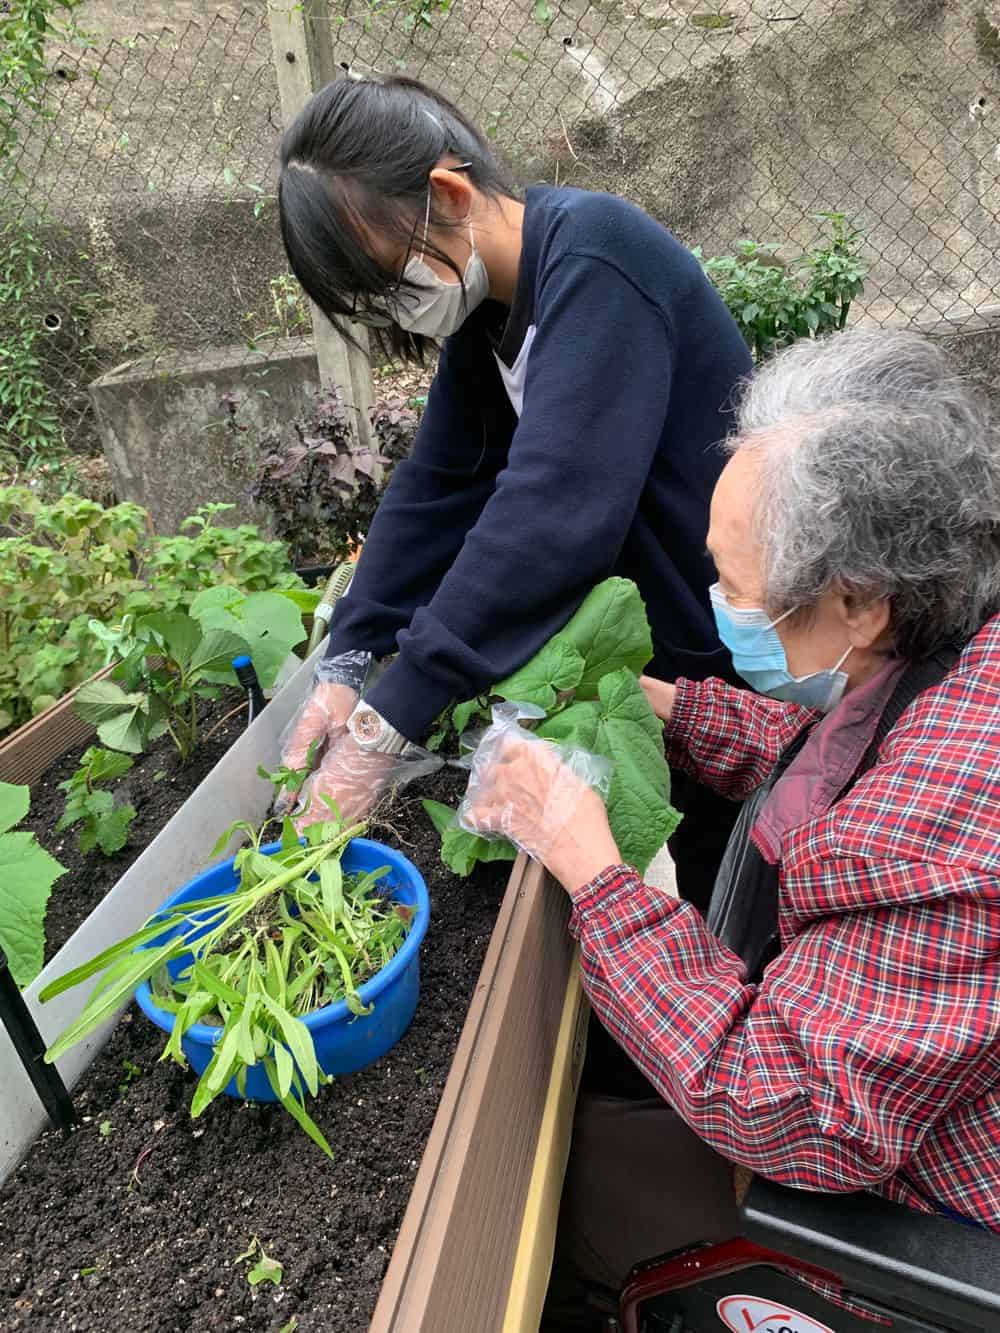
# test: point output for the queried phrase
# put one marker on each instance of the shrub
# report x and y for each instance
(322, 489)
(775, 303)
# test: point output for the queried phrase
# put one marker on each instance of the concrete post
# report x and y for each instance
(302, 41)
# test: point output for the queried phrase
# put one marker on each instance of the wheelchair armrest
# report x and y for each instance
(882, 1250)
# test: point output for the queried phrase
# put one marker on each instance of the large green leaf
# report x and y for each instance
(629, 733)
(462, 851)
(462, 713)
(122, 719)
(221, 598)
(178, 634)
(104, 765)
(306, 599)
(442, 816)
(621, 726)
(14, 804)
(112, 831)
(609, 631)
(215, 652)
(268, 622)
(554, 669)
(27, 873)
(576, 725)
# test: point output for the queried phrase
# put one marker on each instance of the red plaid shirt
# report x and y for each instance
(868, 1057)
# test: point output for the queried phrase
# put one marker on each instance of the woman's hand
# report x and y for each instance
(351, 778)
(660, 694)
(321, 723)
(537, 795)
(322, 720)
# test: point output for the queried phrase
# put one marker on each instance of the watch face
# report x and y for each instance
(367, 726)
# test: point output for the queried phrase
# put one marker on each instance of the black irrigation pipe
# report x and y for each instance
(30, 1048)
(314, 574)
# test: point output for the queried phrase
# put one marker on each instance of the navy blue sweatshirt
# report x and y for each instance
(494, 530)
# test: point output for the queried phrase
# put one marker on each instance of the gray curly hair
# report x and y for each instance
(881, 476)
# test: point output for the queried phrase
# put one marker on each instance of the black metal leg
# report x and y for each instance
(30, 1049)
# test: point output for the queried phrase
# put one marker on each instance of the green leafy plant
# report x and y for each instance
(26, 26)
(265, 1269)
(298, 933)
(104, 824)
(72, 569)
(289, 304)
(170, 661)
(321, 488)
(421, 13)
(269, 623)
(775, 303)
(27, 873)
(586, 681)
(205, 554)
(31, 282)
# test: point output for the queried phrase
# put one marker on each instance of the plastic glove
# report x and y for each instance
(547, 799)
(354, 779)
(322, 719)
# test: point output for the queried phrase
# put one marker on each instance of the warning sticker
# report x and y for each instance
(752, 1314)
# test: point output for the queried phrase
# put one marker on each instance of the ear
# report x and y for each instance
(866, 620)
(453, 193)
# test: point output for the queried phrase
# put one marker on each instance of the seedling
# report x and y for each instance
(169, 663)
(297, 934)
(105, 1128)
(265, 1269)
(284, 779)
(132, 1072)
(103, 824)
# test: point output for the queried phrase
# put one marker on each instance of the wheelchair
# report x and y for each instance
(811, 1263)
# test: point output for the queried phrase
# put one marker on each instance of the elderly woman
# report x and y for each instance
(856, 535)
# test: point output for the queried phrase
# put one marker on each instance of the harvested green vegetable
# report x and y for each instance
(298, 933)
(586, 680)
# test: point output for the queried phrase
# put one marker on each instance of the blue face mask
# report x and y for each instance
(759, 656)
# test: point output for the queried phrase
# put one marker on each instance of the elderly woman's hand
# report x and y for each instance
(547, 799)
(660, 694)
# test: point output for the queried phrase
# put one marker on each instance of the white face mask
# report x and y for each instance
(438, 308)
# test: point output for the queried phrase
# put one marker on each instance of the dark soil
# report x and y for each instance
(136, 1222)
(157, 785)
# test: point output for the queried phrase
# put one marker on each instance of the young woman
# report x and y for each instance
(572, 431)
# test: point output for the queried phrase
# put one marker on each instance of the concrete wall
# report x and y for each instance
(179, 430)
(975, 349)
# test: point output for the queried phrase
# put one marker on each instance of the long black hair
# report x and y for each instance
(357, 160)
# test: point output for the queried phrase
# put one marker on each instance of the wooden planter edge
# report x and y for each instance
(36, 745)
(454, 1261)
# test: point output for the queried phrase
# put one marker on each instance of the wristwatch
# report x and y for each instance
(373, 733)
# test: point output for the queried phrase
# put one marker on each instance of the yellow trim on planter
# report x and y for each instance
(536, 1243)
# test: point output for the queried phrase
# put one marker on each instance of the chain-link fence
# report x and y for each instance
(151, 184)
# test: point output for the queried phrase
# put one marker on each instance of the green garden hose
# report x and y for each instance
(339, 582)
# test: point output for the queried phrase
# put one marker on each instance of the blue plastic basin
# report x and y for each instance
(343, 1042)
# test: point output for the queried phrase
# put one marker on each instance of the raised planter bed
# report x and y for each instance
(30, 750)
(158, 1206)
